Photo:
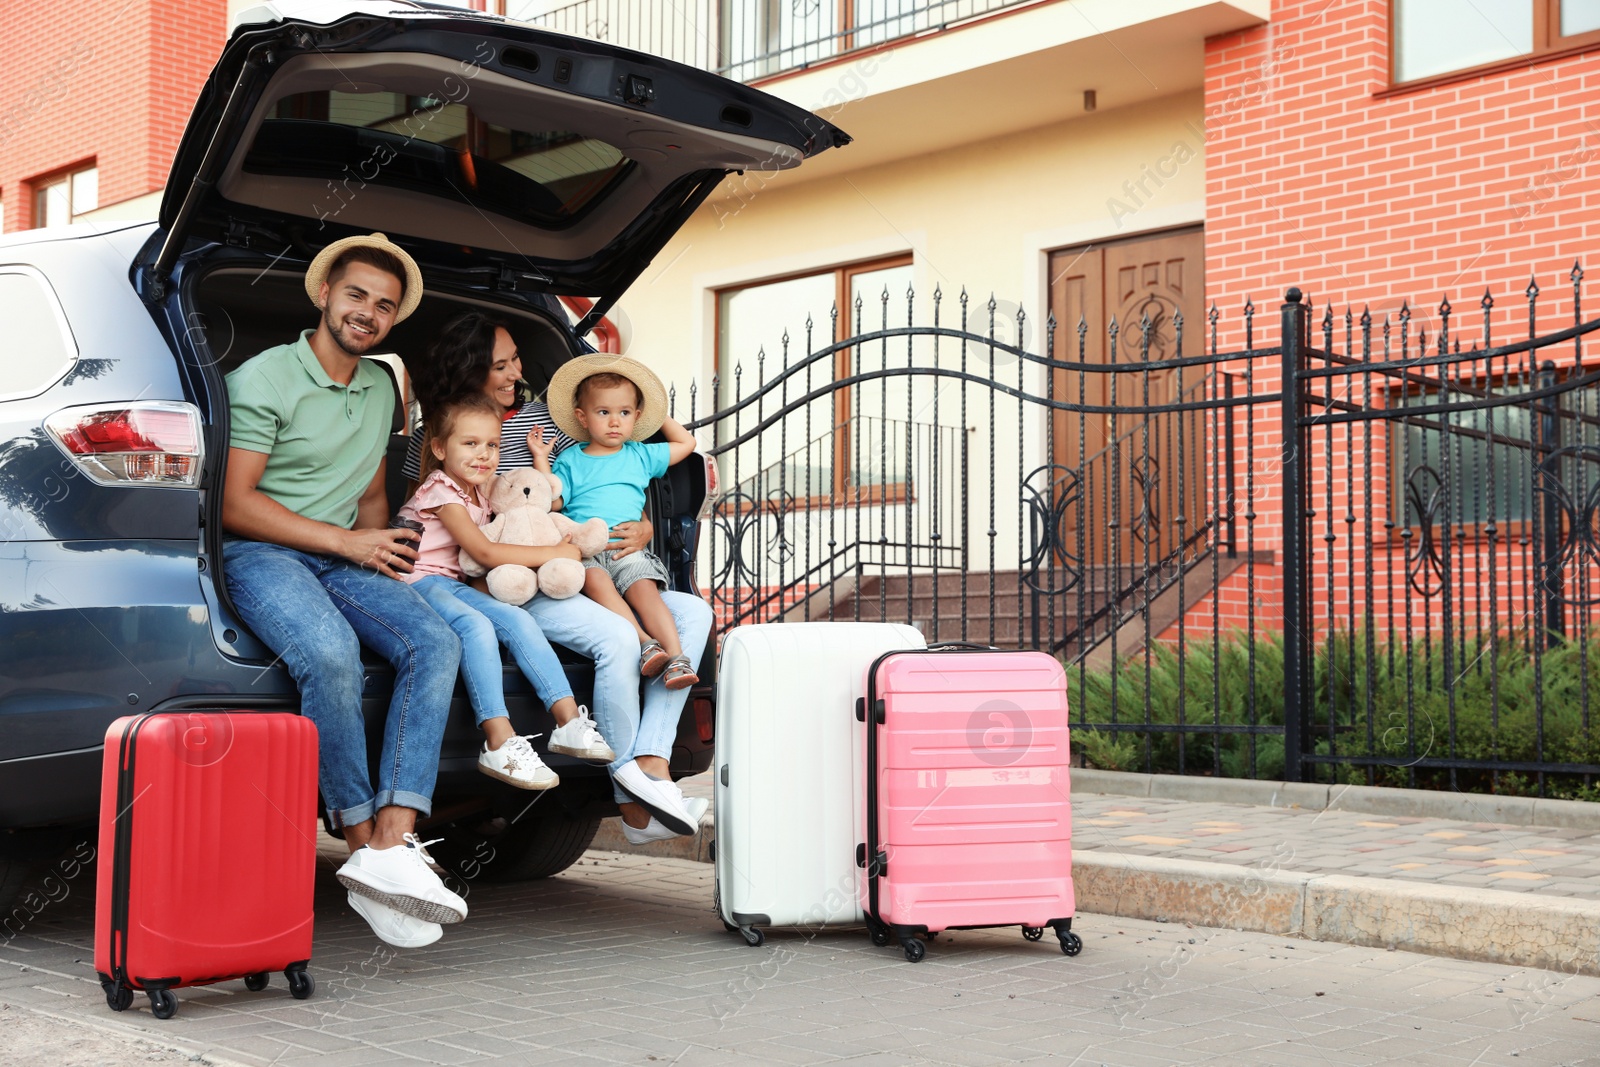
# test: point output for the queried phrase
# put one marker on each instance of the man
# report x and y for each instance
(312, 568)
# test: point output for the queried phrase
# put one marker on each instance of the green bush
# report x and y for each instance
(1360, 709)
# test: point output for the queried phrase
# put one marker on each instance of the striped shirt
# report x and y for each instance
(513, 441)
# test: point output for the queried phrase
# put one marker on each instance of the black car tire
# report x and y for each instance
(536, 846)
(28, 857)
(16, 873)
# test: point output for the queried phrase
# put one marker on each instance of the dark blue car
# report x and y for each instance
(517, 166)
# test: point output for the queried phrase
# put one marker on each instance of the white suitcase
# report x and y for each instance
(790, 792)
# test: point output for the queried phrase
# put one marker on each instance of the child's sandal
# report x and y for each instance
(679, 673)
(652, 659)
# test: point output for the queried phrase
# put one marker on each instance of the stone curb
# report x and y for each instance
(1493, 926)
(1364, 799)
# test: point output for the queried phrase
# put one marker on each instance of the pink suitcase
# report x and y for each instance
(969, 812)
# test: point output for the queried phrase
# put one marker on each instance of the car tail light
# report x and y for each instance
(713, 486)
(153, 442)
(705, 718)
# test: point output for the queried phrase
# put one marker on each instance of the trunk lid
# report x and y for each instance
(478, 143)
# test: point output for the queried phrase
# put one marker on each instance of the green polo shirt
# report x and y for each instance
(323, 441)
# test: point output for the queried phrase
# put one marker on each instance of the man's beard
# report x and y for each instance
(346, 343)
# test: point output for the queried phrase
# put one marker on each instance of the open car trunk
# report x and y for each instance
(241, 310)
(496, 153)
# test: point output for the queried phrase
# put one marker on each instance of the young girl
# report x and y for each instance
(464, 442)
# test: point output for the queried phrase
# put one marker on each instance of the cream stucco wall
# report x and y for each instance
(983, 216)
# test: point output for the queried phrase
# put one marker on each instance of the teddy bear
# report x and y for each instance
(520, 502)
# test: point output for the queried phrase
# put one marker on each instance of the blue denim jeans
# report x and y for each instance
(484, 624)
(315, 612)
(610, 640)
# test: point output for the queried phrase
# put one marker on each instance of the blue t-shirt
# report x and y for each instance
(611, 487)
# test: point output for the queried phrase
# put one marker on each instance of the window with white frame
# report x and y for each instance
(753, 319)
(1430, 38)
(65, 198)
(752, 322)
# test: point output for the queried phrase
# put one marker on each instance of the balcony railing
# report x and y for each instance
(751, 39)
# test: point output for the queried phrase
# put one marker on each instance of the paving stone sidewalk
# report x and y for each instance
(1344, 864)
(1482, 855)
(620, 961)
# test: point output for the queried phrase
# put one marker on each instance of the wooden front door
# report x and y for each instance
(1137, 484)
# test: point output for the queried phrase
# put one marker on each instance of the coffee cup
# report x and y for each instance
(400, 522)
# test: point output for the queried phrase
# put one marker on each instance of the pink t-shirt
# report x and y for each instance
(439, 553)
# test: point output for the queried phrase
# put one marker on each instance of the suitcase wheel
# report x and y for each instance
(752, 936)
(880, 937)
(119, 997)
(915, 949)
(301, 984)
(256, 982)
(163, 1003)
(1071, 943)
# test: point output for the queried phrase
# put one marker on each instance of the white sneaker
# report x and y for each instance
(654, 831)
(394, 927)
(661, 798)
(401, 878)
(580, 738)
(516, 763)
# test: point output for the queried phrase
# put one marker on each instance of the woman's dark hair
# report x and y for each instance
(459, 360)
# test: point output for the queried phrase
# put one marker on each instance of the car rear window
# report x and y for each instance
(546, 177)
(39, 348)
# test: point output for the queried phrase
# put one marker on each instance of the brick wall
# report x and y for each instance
(110, 83)
(1314, 179)
(1319, 176)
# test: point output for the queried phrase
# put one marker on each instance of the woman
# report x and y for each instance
(476, 353)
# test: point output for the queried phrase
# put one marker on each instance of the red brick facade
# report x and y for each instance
(1319, 175)
(104, 83)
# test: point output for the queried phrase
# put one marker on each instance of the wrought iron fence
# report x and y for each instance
(750, 39)
(1360, 554)
(1453, 580)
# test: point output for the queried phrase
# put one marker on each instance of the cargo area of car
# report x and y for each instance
(236, 312)
(239, 312)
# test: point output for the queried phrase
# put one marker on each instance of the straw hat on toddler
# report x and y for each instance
(562, 396)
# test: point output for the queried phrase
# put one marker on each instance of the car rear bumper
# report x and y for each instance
(60, 789)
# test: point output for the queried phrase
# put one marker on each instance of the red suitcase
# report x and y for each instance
(969, 811)
(208, 830)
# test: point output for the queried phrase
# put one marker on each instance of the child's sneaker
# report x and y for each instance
(580, 738)
(516, 763)
(679, 673)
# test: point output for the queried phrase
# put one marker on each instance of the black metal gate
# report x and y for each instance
(1362, 554)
